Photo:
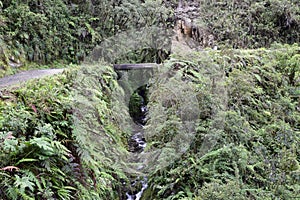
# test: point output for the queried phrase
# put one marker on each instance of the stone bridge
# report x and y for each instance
(135, 66)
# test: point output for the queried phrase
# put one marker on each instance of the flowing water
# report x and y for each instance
(137, 144)
(139, 194)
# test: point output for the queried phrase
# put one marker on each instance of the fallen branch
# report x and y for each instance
(10, 168)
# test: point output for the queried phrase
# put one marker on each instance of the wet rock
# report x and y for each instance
(15, 63)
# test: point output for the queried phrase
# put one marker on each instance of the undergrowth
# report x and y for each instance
(246, 138)
(45, 152)
(65, 137)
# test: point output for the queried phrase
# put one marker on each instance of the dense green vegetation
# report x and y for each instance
(251, 24)
(245, 145)
(247, 137)
(221, 124)
(49, 130)
(66, 31)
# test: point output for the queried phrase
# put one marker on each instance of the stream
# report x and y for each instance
(137, 144)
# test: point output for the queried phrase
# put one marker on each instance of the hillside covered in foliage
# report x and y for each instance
(222, 119)
(66, 31)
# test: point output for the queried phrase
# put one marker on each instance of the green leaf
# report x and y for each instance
(43, 143)
(257, 77)
(23, 183)
(26, 160)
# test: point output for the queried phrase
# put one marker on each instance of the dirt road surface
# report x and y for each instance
(27, 75)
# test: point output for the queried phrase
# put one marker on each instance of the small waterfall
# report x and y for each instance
(139, 194)
(137, 144)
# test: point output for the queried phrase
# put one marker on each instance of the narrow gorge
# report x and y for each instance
(137, 142)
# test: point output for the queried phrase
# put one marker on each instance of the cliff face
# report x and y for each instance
(189, 30)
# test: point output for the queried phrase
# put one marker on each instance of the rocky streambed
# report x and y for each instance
(137, 144)
(139, 184)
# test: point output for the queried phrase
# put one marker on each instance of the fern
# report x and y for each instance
(22, 183)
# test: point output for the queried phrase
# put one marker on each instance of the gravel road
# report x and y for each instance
(27, 75)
